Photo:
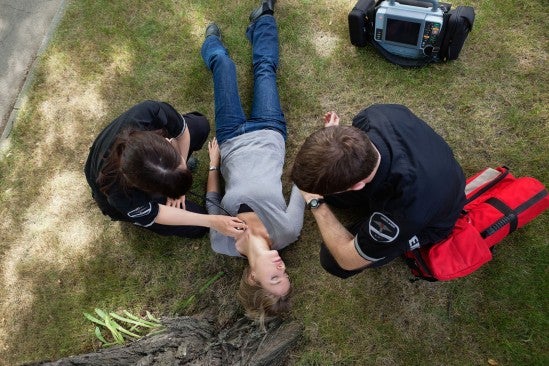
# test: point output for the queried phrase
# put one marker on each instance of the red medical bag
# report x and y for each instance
(497, 204)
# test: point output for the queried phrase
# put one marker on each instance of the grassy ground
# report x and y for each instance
(59, 257)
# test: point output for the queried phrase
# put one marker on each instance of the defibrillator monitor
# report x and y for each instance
(410, 31)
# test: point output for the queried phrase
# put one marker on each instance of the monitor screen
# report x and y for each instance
(402, 31)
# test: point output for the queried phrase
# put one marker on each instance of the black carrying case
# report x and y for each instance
(457, 25)
(360, 22)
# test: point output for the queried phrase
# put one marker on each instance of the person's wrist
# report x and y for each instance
(315, 203)
(213, 167)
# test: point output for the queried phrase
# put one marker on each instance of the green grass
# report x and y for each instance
(59, 257)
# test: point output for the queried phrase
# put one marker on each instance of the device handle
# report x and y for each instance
(434, 2)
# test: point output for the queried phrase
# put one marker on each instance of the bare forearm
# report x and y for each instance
(338, 240)
(176, 216)
(226, 225)
(182, 143)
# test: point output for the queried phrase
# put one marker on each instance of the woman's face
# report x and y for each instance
(270, 273)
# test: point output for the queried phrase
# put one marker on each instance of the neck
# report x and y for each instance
(255, 240)
(373, 174)
(257, 247)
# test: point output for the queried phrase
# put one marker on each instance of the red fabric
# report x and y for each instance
(513, 193)
(466, 250)
(459, 255)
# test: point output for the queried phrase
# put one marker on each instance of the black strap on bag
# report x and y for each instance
(418, 265)
(510, 216)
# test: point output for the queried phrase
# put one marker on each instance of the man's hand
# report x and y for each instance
(331, 119)
(213, 151)
(177, 203)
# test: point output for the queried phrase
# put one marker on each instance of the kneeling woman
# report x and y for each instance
(249, 153)
(137, 170)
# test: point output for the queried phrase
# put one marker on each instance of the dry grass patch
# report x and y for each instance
(57, 230)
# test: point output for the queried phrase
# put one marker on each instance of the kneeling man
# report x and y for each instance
(394, 166)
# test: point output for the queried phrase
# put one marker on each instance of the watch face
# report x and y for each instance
(314, 203)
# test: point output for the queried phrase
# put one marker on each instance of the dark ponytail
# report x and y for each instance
(147, 161)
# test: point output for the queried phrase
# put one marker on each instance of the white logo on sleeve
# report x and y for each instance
(382, 229)
(140, 211)
(413, 243)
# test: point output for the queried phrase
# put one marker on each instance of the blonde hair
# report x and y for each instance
(259, 304)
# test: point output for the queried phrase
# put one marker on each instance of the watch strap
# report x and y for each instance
(314, 203)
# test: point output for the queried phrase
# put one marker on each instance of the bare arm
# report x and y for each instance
(339, 241)
(227, 225)
(182, 144)
(214, 184)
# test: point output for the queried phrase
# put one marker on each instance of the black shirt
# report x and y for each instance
(131, 204)
(417, 193)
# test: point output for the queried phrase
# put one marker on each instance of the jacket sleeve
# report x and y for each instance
(213, 203)
(152, 115)
(381, 238)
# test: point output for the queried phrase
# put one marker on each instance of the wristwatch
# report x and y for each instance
(314, 203)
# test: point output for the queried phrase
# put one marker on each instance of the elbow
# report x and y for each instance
(347, 266)
(350, 261)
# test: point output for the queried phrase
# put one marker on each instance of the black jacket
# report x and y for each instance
(417, 193)
(131, 204)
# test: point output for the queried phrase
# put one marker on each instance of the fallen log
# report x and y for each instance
(193, 341)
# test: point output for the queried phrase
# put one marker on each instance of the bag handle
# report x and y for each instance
(417, 3)
(489, 185)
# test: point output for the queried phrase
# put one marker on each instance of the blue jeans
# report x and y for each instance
(230, 120)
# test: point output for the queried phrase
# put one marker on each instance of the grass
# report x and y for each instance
(59, 257)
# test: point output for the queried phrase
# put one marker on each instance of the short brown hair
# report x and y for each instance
(333, 159)
(259, 304)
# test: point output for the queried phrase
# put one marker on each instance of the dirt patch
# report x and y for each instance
(325, 43)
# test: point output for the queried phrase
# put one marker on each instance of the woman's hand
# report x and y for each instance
(331, 119)
(213, 151)
(177, 203)
(228, 225)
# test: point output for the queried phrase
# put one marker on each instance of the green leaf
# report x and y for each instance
(140, 322)
(120, 328)
(210, 282)
(130, 315)
(94, 319)
(100, 336)
(151, 317)
(101, 313)
(187, 302)
(112, 328)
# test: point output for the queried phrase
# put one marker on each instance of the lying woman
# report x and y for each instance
(249, 154)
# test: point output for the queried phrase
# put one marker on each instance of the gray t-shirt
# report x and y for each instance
(251, 165)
